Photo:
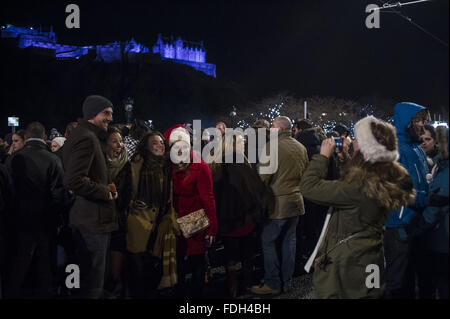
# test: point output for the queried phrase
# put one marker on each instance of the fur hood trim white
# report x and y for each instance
(372, 151)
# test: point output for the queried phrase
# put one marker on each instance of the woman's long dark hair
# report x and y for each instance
(21, 133)
(154, 167)
(142, 148)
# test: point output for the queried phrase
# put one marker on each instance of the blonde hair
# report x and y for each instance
(230, 144)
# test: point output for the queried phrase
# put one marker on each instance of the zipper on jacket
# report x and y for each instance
(324, 257)
(401, 212)
(418, 175)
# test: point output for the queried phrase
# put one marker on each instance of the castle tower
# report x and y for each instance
(179, 49)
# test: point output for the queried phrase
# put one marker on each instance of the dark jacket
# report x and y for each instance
(241, 197)
(59, 153)
(5, 202)
(3, 154)
(309, 139)
(437, 237)
(5, 189)
(38, 187)
(86, 175)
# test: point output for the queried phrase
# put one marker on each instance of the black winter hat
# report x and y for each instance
(303, 124)
(342, 129)
(93, 105)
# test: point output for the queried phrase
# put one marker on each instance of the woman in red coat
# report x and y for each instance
(192, 190)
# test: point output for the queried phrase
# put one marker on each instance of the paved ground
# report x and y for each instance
(217, 288)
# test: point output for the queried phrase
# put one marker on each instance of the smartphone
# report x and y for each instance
(338, 143)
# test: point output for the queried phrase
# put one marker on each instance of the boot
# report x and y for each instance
(232, 277)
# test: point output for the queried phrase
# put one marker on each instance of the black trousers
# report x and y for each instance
(239, 248)
(407, 263)
(32, 264)
(144, 274)
(434, 267)
(195, 265)
(400, 280)
(440, 274)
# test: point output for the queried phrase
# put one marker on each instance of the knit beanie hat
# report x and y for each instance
(93, 105)
(53, 134)
(59, 140)
(368, 145)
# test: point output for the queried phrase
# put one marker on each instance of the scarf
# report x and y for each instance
(154, 182)
(166, 248)
(155, 189)
(116, 164)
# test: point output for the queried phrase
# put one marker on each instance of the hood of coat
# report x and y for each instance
(403, 113)
(388, 194)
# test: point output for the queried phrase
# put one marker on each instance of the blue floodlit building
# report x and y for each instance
(184, 52)
(178, 51)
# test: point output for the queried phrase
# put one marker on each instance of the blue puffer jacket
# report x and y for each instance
(414, 159)
(437, 237)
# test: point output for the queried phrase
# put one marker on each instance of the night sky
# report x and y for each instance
(309, 48)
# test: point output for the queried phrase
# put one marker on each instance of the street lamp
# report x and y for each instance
(233, 115)
(128, 108)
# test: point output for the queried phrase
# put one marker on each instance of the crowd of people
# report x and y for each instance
(109, 198)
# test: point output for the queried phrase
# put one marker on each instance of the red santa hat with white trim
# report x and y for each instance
(177, 133)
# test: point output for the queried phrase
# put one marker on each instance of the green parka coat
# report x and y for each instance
(350, 262)
(291, 162)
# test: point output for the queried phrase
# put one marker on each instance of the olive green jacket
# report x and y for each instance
(285, 182)
(352, 246)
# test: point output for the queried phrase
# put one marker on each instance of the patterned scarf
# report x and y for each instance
(166, 248)
(154, 182)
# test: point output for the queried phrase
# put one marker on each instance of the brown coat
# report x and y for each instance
(86, 175)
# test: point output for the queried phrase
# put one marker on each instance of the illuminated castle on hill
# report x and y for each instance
(184, 52)
(178, 51)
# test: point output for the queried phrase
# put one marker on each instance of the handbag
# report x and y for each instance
(193, 223)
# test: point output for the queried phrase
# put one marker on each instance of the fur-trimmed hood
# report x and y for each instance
(371, 149)
(388, 194)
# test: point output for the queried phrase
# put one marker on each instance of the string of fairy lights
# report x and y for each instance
(323, 120)
(271, 113)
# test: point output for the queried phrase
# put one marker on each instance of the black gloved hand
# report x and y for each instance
(438, 200)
